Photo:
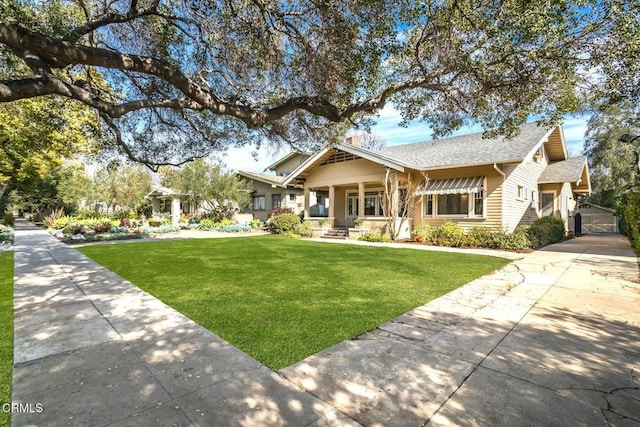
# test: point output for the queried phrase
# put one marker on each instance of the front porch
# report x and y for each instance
(357, 208)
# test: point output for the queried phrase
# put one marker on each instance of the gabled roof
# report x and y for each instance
(574, 170)
(285, 159)
(161, 192)
(471, 149)
(325, 152)
(597, 207)
(263, 177)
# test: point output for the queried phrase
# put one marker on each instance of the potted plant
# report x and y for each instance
(321, 222)
(358, 222)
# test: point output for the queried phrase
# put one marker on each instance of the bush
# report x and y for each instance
(631, 220)
(304, 230)
(480, 237)
(7, 219)
(6, 233)
(371, 237)
(284, 223)
(255, 223)
(449, 234)
(88, 214)
(423, 233)
(206, 224)
(546, 231)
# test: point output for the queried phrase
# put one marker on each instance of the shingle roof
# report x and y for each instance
(468, 150)
(569, 170)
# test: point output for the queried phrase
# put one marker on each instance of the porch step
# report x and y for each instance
(336, 233)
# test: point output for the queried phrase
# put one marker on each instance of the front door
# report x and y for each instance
(547, 203)
(351, 212)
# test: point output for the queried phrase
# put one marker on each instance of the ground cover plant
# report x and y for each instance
(6, 331)
(281, 299)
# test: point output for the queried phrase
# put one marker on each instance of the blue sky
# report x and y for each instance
(388, 129)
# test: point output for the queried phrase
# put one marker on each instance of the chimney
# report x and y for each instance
(353, 140)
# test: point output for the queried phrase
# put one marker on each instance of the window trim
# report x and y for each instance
(470, 207)
(264, 202)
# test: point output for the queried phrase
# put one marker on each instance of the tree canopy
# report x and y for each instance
(36, 135)
(612, 160)
(176, 80)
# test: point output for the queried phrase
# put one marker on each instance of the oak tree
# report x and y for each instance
(173, 80)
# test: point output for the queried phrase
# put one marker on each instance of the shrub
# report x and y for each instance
(117, 230)
(631, 220)
(546, 231)
(6, 233)
(280, 211)
(206, 224)
(371, 237)
(7, 219)
(50, 219)
(161, 229)
(423, 233)
(284, 223)
(449, 234)
(481, 237)
(88, 214)
(255, 223)
(63, 222)
(304, 229)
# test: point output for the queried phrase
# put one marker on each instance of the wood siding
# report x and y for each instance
(522, 210)
(493, 203)
(344, 173)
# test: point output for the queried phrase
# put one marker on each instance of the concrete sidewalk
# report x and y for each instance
(551, 339)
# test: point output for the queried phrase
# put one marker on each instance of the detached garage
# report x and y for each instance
(596, 219)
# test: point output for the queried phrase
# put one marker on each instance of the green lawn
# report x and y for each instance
(282, 299)
(6, 332)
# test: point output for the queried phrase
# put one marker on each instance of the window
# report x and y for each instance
(465, 204)
(276, 200)
(453, 204)
(258, 203)
(372, 203)
(520, 192)
(292, 197)
(428, 205)
(478, 203)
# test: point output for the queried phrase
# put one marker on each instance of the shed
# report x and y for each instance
(598, 219)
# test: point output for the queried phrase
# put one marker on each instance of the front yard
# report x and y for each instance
(281, 299)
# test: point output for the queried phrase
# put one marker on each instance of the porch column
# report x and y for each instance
(332, 196)
(361, 200)
(307, 197)
(155, 203)
(175, 211)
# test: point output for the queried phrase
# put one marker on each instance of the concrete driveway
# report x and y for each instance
(552, 339)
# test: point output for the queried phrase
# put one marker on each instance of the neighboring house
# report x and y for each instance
(472, 181)
(159, 194)
(598, 219)
(270, 193)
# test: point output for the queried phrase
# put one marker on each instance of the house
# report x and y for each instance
(494, 182)
(270, 192)
(598, 219)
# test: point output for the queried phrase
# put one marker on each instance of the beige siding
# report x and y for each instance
(522, 210)
(493, 203)
(344, 173)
